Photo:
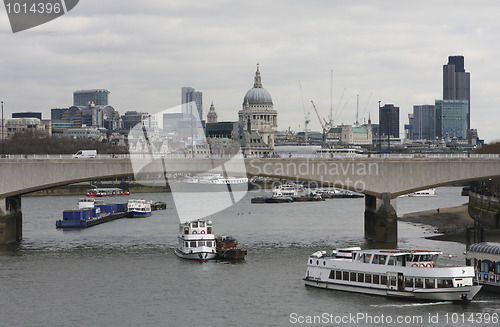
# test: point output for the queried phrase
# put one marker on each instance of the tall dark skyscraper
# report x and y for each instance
(389, 120)
(456, 82)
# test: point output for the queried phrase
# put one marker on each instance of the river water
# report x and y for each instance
(125, 273)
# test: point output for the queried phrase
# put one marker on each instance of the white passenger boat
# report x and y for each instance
(196, 241)
(138, 208)
(392, 273)
(292, 190)
(208, 182)
(422, 193)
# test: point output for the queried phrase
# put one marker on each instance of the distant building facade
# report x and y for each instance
(17, 125)
(389, 120)
(85, 97)
(188, 94)
(27, 114)
(212, 115)
(456, 84)
(424, 122)
(258, 111)
(451, 118)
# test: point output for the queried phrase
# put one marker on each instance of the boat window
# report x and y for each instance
(194, 224)
(375, 259)
(367, 258)
(186, 244)
(383, 280)
(324, 263)
(426, 257)
(186, 230)
(376, 279)
(485, 265)
(201, 243)
(317, 262)
(400, 260)
(192, 244)
(202, 224)
(345, 275)
(338, 275)
(368, 278)
(209, 230)
(209, 243)
(419, 283)
(353, 277)
(381, 260)
(444, 283)
(332, 274)
(429, 283)
(416, 258)
(409, 282)
(392, 261)
(361, 277)
(310, 261)
(393, 281)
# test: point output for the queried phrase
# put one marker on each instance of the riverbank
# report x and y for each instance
(81, 189)
(450, 223)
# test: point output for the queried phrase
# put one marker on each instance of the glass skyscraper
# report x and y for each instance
(424, 122)
(451, 118)
(188, 94)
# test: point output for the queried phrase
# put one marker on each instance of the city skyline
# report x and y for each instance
(391, 52)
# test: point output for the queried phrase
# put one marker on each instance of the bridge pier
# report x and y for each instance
(381, 224)
(11, 219)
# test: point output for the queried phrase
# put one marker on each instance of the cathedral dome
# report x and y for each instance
(257, 94)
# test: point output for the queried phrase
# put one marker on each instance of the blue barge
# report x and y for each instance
(91, 212)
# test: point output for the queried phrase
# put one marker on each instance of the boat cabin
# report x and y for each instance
(196, 227)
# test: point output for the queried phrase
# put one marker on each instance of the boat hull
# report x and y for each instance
(198, 255)
(455, 294)
(138, 214)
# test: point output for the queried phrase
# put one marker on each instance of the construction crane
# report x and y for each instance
(307, 118)
(324, 126)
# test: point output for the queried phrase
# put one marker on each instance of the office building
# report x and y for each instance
(424, 122)
(456, 83)
(389, 120)
(85, 97)
(188, 94)
(451, 118)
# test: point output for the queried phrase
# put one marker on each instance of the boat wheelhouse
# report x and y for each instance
(196, 241)
(485, 258)
(408, 274)
(138, 208)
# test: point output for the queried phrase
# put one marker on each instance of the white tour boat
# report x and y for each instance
(408, 274)
(422, 193)
(291, 190)
(138, 208)
(208, 182)
(196, 241)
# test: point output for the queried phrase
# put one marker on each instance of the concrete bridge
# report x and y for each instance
(380, 179)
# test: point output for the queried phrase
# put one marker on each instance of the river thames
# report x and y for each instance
(125, 273)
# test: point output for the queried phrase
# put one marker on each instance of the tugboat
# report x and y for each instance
(404, 274)
(196, 241)
(227, 248)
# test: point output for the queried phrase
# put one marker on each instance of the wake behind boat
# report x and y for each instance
(392, 273)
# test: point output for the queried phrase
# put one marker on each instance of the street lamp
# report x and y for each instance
(389, 132)
(379, 134)
(1, 154)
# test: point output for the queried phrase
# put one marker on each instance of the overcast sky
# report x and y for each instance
(144, 51)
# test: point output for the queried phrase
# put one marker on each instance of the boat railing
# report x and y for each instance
(489, 277)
